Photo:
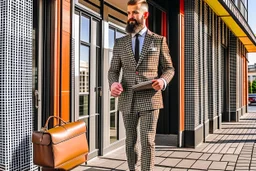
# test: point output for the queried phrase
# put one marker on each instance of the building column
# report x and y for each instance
(16, 85)
(233, 62)
(193, 126)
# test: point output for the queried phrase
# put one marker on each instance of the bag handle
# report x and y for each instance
(56, 117)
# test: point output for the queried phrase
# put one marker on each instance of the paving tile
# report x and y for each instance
(159, 153)
(225, 149)
(194, 155)
(229, 158)
(221, 146)
(158, 160)
(242, 168)
(215, 157)
(204, 156)
(201, 164)
(186, 163)
(253, 164)
(231, 163)
(175, 169)
(123, 166)
(243, 161)
(159, 168)
(105, 163)
(167, 153)
(179, 154)
(230, 168)
(231, 150)
(218, 165)
(171, 162)
(242, 164)
(239, 148)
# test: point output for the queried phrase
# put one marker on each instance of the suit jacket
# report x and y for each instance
(154, 55)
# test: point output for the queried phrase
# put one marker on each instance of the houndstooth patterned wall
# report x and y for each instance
(191, 65)
(204, 63)
(233, 72)
(16, 85)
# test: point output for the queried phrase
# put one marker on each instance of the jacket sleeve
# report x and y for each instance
(115, 66)
(166, 62)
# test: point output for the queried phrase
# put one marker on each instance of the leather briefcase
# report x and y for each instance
(63, 147)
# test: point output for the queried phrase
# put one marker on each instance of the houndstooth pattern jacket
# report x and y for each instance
(154, 52)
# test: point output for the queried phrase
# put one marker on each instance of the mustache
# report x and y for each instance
(132, 21)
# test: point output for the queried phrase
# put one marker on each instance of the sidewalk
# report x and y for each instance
(231, 148)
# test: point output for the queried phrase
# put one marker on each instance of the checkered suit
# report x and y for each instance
(154, 52)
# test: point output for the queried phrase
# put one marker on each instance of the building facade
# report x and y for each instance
(251, 73)
(55, 55)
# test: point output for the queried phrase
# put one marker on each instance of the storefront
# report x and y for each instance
(67, 52)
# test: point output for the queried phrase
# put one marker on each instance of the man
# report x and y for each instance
(140, 54)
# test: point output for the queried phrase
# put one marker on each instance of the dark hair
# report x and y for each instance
(142, 2)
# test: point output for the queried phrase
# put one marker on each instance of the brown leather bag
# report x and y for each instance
(63, 147)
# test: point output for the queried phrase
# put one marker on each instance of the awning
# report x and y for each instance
(230, 14)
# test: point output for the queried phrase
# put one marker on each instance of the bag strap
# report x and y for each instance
(56, 117)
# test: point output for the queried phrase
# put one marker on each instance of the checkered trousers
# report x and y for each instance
(154, 55)
(148, 124)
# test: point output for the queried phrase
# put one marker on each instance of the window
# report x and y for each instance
(87, 48)
(114, 115)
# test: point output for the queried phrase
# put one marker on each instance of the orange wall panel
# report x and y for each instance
(65, 60)
(182, 71)
(57, 61)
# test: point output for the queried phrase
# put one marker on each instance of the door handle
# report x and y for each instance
(36, 93)
(98, 90)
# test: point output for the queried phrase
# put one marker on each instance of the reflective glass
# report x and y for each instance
(111, 38)
(85, 29)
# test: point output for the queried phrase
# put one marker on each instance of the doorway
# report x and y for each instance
(37, 64)
(87, 89)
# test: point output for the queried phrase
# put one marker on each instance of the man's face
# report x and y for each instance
(136, 18)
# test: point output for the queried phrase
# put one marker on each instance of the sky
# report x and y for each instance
(252, 23)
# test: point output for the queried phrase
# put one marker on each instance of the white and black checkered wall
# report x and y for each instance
(16, 85)
(205, 55)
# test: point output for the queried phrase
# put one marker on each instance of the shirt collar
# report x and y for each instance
(141, 32)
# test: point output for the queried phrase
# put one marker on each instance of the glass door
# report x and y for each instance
(87, 53)
(36, 63)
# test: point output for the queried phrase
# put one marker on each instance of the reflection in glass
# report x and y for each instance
(111, 38)
(113, 127)
(97, 31)
(119, 34)
(85, 29)
(86, 120)
(112, 104)
(83, 104)
(84, 54)
(84, 69)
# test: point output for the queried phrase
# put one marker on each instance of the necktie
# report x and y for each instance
(137, 48)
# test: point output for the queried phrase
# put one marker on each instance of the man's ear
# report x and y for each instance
(145, 15)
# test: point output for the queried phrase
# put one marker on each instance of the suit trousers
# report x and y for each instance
(148, 123)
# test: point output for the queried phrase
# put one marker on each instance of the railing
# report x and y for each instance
(242, 7)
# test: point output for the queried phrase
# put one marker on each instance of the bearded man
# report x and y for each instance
(141, 53)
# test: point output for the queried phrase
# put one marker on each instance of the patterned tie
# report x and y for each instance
(137, 48)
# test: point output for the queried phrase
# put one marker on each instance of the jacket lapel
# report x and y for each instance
(129, 49)
(147, 42)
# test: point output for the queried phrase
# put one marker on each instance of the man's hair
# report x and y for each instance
(143, 3)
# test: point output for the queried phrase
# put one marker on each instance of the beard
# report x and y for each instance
(133, 26)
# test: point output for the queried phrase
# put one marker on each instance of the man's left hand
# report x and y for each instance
(158, 84)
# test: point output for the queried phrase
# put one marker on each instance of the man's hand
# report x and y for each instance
(158, 84)
(116, 89)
